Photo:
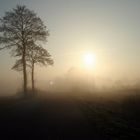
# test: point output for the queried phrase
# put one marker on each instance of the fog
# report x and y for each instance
(69, 69)
(76, 81)
(73, 80)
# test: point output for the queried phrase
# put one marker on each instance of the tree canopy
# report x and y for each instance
(20, 28)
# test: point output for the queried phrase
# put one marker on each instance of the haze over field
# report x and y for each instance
(69, 69)
(109, 30)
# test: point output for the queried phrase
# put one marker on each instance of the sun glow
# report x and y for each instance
(89, 59)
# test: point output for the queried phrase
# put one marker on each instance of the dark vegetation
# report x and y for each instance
(68, 116)
(114, 118)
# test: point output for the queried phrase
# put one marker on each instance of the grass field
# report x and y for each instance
(72, 116)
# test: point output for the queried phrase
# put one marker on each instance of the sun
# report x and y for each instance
(89, 59)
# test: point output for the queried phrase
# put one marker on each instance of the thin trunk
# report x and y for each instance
(33, 86)
(24, 72)
(24, 58)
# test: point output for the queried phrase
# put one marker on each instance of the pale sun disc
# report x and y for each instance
(89, 59)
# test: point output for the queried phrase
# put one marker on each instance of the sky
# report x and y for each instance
(107, 28)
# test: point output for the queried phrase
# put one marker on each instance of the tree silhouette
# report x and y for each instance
(18, 28)
(38, 55)
(35, 55)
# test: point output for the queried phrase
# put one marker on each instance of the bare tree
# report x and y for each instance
(19, 27)
(35, 55)
(38, 55)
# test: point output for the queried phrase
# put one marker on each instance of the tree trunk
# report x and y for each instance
(33, 86)
(24, 73)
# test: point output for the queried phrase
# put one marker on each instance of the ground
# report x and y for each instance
(66, 117)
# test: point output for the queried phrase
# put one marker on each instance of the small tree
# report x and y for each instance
(36, 55)
(19, 27)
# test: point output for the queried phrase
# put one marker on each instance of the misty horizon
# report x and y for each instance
(109, 30)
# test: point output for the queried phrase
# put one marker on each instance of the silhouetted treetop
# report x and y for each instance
(21, 24)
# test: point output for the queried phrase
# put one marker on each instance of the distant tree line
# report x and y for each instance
(22, 31)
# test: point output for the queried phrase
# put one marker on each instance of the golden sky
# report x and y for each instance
(108, 29)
